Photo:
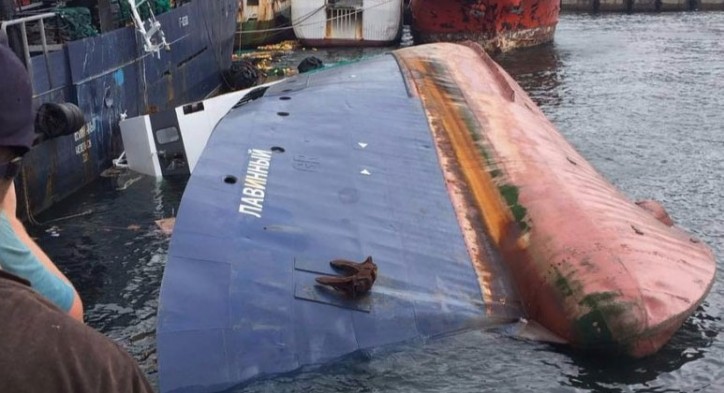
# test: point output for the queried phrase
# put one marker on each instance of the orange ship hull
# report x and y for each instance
(498, 25)
(601, 272)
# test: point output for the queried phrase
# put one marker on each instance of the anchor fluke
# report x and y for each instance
(357, 278)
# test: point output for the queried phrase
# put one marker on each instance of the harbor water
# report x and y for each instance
(640, 96)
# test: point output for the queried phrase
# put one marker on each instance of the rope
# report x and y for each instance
(29, 212)
(104, 227)
(81, 214)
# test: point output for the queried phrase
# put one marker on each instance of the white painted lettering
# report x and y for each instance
(247, 210)
(253, 182)
(256, 175)
(254, 202)
(257, 172)
(81, 137)
(261, 169)
(261, 153)
(262, 162)
(83, 147)
(252, 192)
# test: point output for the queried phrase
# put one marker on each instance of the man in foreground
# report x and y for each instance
(21, 256)
(43, 349)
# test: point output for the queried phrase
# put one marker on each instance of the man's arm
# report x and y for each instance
(20, 255)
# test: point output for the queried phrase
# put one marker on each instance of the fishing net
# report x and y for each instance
(75, 23)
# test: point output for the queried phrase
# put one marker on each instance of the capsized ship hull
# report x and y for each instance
(109, 76)
(435, 163)
(497, 25)
(599, 271)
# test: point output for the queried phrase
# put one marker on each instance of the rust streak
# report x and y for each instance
(472, 189)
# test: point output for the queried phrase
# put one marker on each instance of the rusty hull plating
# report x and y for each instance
(590, 265)
(497, 25)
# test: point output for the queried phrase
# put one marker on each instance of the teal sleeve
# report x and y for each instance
(16, 258)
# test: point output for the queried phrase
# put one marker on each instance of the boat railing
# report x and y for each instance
(345, 4)
(27, 48)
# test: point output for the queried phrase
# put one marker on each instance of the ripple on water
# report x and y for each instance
(115, 256)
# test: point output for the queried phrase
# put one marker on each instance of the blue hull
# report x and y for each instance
(336, 164)
(110, 75)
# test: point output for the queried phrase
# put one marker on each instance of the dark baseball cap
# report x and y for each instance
(16, 103)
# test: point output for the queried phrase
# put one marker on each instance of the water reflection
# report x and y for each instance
(475, 361)
(484, 361)
(603, 374)
(539, 71)
(115, 255)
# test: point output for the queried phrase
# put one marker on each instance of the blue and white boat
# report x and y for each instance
(110, 76)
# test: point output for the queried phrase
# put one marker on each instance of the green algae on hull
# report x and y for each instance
(509, 192)
(599, 328)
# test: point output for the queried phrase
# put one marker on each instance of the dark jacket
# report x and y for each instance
(44, 350)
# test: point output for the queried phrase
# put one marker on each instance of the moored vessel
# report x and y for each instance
(347, 22)
(263, 22)
(497, 25)
(105, 69)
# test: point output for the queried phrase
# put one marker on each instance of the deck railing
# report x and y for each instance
(26, 49)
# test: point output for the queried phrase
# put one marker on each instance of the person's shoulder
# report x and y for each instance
(72, 356)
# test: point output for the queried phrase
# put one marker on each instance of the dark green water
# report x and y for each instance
(641, 96)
